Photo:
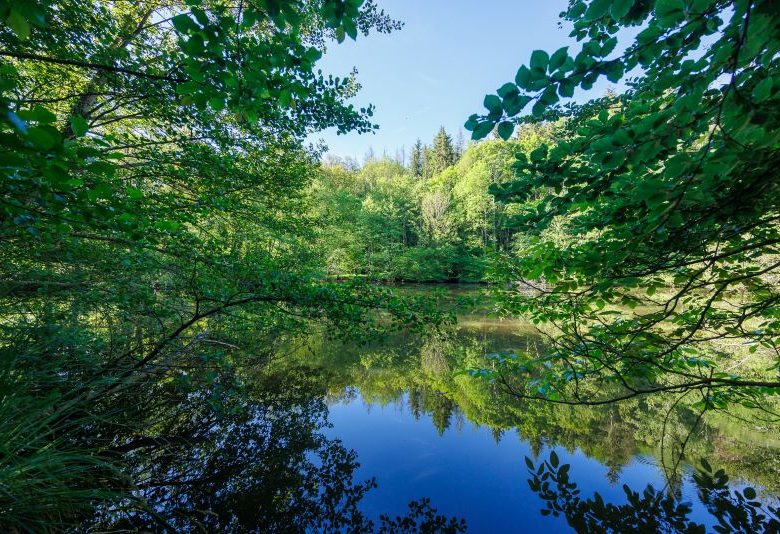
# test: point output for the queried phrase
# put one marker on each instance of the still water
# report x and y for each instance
(393, 436)
(422, 429)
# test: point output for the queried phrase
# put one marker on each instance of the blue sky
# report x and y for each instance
(438, 68)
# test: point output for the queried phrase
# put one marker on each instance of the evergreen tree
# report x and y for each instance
(442, 152)
(429, 162)
(418, 159)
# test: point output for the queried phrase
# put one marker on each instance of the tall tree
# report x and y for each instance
(442, 154)
(437, 224)
(417, 163)
(673, 192)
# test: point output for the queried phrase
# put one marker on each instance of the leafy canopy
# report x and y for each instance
(670, 193)
(153, 235)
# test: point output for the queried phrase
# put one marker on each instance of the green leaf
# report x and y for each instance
(194, 45)
(78, 125)
(523, 77)
(614, 159)
(42, 137)
(313, 54)
(669, 12)
(549, 97)
(507, 89)
(597, 9)
(762, 90)
(539, 154)
(577, 10)
(620, 8)
(285, 97)
(350, 28)
(615, 71)
(471, 123)
(566, 88)
(749, 493)
(554, 459)
(538, 109)
(514, 104)
(18, 24)
(539, 60)
(558, 58)
(39, 114)
(200, 15)
(505, 129)
(492, 103)
(183, 23)
(608, 46)
(482, 130)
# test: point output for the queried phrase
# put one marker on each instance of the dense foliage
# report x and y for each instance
(651, 510)
(430, 220)
(152, 233)
(166, 235)
(671, 190)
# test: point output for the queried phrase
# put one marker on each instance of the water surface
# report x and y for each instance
(343, 436)
(421, 428)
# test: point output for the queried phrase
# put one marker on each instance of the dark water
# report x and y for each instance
(335, 436)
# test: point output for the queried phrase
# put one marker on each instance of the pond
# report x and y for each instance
(425, 431)
(392, 434)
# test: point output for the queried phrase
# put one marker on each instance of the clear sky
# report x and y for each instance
(438, 68)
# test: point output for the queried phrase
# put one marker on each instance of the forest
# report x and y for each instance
(195, 298)
(430, 219)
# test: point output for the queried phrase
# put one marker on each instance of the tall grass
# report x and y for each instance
(49, 475)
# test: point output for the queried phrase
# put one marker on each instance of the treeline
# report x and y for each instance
(432, 219)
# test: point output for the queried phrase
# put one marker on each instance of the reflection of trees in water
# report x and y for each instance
(438, 405)
(433, 356)
(254, 464)
(416, 403)
(620, 443)
(251, 464)
(612, 434)
(652, 510)
(441, 409)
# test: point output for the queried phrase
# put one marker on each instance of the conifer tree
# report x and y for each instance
(429, 162)
(418, 158)
(442, 152)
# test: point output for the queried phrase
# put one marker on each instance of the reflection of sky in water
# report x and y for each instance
(467, 474)
(464, 473)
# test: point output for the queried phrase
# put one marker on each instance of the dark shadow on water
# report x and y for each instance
(651, 509)
(273, 460)
(262, 465)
